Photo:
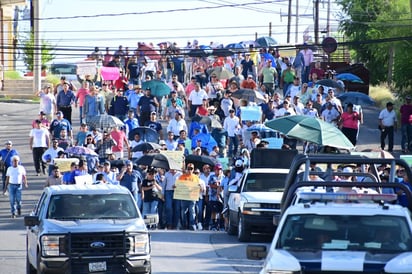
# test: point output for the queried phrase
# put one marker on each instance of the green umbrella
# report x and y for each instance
(158, 88)
(310, 129)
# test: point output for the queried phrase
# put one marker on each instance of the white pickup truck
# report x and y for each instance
(350, 231)
(87, 229)
(255, 201)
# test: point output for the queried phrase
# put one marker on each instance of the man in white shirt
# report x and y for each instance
(196, 99)
(39, 142)
(330, 114)
(387, 124)
(177, 124)
(232, 125)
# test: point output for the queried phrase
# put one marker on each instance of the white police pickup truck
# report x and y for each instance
(341, 232)
(255, 201)
(87, 229)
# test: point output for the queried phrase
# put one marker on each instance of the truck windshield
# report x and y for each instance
(265, 182)
(63, 69)
(377, 234)
(104, 206)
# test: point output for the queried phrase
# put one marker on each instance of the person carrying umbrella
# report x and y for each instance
(147, 104)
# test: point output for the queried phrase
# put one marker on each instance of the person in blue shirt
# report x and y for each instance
(6, 154)
(134, 98)
(130, 179)
(60, 123)
(65, 99)
(130, 123)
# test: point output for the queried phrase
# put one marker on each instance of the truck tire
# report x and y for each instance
(231, 228)
(29, 268)
(38, 265)
(243, 234)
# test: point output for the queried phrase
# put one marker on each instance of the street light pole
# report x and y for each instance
(36, 46)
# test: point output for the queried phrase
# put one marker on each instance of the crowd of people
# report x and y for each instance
(194, 94)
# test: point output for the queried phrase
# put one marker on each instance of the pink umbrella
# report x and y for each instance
(149, 51)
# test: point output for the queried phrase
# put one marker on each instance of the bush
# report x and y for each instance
(12, 75)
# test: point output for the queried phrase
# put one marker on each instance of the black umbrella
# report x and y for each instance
(222, 52)
(248, 94)
(158, 160)
(200, 160)
(147, 134)
(146, 147)
(329, 83)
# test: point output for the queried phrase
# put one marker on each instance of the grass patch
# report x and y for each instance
(12, 75)
(382, 94)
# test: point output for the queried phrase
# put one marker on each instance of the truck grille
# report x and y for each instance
(96, 244)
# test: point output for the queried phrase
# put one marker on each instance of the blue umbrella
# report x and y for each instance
(266, 41)
(264, 131)
(355, 97)
(158, 88)
(349, 77)
(208, 141)
(269, 56)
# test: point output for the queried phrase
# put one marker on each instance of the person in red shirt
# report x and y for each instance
(121, 140)
(121, 82)
(406, 127)
(349, 122)
(318, 70)
(249, 83)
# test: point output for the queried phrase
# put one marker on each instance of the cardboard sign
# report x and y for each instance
(186, 190)
(84, 179)
(65, 163)
(176, 156)
(110, 73)
(86, 68)
(251, 113)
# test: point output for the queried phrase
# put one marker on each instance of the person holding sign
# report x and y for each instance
(187, 189)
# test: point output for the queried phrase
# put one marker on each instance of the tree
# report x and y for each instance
(47, 52)
(381, 33)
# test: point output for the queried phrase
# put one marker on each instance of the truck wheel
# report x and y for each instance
(29, 268)
(231, 229)
(243, 234)
(38, 265)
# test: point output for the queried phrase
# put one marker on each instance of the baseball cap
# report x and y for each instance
(162, 142)
(127, 162)
(153, 113)
(59, 113)
(42, 113)
(173, 91)
(218, 166)
(238, 163)
(408, 97)
(178, 112)
(347, 169)
(8, 142)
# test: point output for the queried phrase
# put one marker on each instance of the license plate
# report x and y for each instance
(97, 266)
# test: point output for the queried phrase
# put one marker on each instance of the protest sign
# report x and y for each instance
(110, 73)
(84, 179)
(86, 68)
(65, 163)
(186, 190)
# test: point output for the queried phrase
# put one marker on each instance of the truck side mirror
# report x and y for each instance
(31, 221)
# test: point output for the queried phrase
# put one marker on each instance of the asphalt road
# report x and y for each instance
(173, 252)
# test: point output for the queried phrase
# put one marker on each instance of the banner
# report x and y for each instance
(110, 73)
(186, 190)
(65, 163)
(86, 68)
(84, 179)
(251, 113)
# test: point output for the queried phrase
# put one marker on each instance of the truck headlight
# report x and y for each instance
(52, 245)
(139, 244)
(248, 209)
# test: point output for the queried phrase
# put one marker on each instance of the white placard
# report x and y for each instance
(86, 68)
(343, 261)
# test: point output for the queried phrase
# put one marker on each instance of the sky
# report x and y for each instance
(75, 27)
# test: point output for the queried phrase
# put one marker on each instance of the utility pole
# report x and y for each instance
(316, 22)
(328, 20)
(289, 20)
(297, 22)
(36, 46)
(270, 28)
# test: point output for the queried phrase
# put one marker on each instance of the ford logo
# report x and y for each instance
(97, 245)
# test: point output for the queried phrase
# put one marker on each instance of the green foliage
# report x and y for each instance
(12, 75)
(47, 52)
(373, 20)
